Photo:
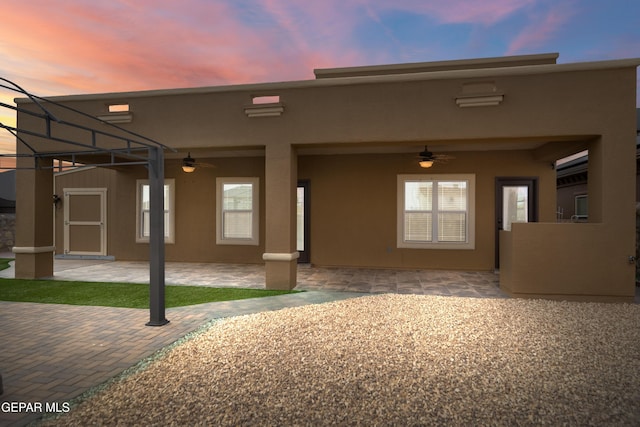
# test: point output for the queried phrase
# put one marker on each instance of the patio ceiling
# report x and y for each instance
(563, 143)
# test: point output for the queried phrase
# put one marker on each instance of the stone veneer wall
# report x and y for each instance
(7, 231)
(637, 243)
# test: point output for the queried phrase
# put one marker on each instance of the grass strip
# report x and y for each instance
(128, 295)
(4, 263)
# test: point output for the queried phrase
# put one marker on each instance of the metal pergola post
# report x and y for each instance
(156, 238)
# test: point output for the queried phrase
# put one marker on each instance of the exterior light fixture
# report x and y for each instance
(188, 164)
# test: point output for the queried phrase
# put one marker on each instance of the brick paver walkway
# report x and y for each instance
(52, 353)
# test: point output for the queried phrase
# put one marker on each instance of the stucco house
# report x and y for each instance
(440, 165)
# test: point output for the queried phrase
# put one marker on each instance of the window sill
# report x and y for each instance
(237, 242)
(438, 246)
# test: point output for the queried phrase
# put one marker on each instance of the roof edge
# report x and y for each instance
(259, 89)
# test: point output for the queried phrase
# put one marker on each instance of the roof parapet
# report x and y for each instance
(422, 67)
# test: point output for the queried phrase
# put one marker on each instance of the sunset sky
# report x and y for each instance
(58, 47)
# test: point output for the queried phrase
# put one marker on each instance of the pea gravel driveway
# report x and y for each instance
(390, 360)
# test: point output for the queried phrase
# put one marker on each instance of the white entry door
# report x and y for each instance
(85, 221)
(516, 201)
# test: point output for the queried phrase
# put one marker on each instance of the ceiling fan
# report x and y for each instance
(189, 164)
(427, 158)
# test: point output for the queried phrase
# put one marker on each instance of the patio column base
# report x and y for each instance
(281, 270)
(33, 265)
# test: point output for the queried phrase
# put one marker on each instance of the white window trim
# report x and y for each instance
(170, 238)
(255, 208)
(471, 218)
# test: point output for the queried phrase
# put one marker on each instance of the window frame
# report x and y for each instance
(254, 240)
(470, 180)
(170, 210)
(576, 205)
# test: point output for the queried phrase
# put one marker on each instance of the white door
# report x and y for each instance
(516, 201)
(85, 221)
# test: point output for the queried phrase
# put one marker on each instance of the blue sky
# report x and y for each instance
(85, 46)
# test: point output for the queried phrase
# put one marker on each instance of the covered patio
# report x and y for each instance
(481, 284)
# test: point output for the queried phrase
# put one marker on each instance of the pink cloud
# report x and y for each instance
(541, 28)
(107, 46)
(313, 34)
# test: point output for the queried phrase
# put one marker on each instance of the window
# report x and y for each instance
(436, 211)
(237, 213)
(581, 206)
(143, 228)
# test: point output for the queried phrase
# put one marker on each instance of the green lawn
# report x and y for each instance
(130, 295)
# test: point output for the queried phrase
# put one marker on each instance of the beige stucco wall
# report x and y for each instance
(195, 215)
(354, 207)
(386, 109)
(353, 201)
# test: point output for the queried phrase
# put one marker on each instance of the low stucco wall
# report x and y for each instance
(565, 261)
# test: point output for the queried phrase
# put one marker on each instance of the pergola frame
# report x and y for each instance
(137, 150)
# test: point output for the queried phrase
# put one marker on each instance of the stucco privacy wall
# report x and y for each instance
(551, 110)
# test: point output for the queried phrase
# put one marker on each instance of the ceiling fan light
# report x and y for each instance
(426, 163)
(188, 164)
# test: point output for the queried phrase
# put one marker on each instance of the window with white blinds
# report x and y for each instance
(237, 211)
(143, 228)
(436, 211)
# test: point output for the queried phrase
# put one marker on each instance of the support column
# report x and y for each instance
(34, 219)
(156, 238)
(281, 178)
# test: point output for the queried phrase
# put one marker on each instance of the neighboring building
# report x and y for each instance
(8, 192)
(572, 174)
(7, 210)
(344, 148)
(573, 203)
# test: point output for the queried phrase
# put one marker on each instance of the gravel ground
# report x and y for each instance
(391, 360)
